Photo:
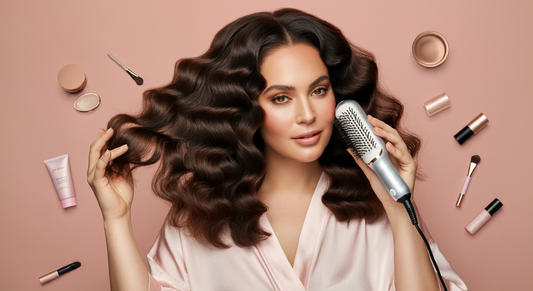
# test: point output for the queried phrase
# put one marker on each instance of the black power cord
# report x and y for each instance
(412, 214)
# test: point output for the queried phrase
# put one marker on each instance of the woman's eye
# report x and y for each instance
(320, 91)
(280, 99)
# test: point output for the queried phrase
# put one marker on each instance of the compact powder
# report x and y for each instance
(72, 78)
(430, 49)
(87, 102)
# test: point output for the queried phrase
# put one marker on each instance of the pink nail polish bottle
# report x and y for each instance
(484, 216)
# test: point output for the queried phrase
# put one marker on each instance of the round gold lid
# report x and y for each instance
(430, 49)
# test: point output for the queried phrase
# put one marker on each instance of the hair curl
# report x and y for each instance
(203, 128)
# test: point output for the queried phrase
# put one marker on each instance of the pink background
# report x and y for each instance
(488, 70)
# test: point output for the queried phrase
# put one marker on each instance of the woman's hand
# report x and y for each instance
(114, 195)
(400, 157)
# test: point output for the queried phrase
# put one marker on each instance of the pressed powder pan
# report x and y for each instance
(87, 102)
(430, 49)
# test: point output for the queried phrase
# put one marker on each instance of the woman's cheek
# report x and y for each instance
(328, 109)
(276, 122)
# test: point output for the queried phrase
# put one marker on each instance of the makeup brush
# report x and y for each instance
(134, 76)
(473, 164)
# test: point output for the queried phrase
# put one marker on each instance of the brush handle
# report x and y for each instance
(463, 191)
(465, 186)
(117, 61)
(390, 178)
(132, 74)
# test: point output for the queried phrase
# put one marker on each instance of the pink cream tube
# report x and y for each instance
(59, 170)
(484, 216)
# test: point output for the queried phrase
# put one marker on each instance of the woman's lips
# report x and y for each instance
(308, 138)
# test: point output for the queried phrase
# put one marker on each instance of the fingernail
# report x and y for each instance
(106, 153)
(108, 130)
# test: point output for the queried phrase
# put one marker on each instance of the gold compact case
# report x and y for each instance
(430, 49)
(72, 78)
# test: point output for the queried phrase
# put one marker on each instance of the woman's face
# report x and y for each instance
(299, 104)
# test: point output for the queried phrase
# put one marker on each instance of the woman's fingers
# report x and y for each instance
(97, 161)
(100, 167)
(395, 144)
(95, 150)
(385, 131)
(401, 156)
(109, 155)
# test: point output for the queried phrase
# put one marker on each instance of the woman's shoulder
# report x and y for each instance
(174, 239)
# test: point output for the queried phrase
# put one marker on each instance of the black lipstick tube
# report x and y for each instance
(471, 128)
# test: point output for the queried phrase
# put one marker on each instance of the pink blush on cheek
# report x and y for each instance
(276, 122)
(328, 111)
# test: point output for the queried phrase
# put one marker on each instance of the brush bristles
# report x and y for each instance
(475, 159)
(356, 135)
(346, 139)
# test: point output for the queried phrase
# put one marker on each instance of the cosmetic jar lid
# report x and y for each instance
(478, 123)
(437, 104)
(87, 102)
(494, 206)
(72, 78)
(430, 49)
(69, 202)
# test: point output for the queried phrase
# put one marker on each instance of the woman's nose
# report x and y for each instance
(305, 113)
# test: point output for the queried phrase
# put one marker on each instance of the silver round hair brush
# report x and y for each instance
(358, 133)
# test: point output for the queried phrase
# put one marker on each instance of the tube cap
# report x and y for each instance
(478, 123)
(494, 206)
(69, 202)
(48, 277)
(437, 104)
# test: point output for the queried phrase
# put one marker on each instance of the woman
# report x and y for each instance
(263, 194)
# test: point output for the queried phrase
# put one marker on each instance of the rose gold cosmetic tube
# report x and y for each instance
(55, 274)
(437, 104)
(484, 216)
(49, 277)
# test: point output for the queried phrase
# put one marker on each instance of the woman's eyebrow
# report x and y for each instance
(291, 88)
(320, 79)
(279, 88)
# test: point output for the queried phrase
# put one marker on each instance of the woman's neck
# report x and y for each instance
(286, 178)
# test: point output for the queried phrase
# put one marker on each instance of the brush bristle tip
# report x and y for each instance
(475, 159)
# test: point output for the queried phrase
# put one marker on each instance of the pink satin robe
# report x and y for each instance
(330, 256)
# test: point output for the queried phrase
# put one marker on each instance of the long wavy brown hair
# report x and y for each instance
(202, 128)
